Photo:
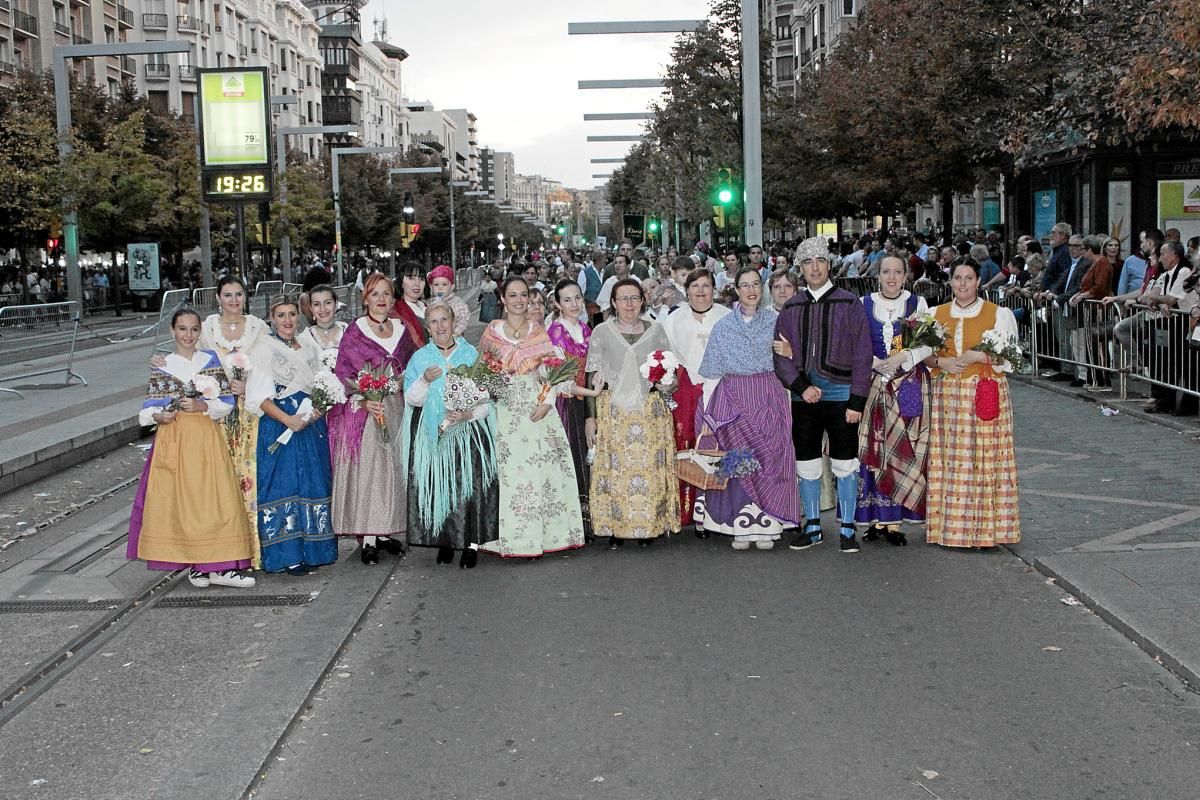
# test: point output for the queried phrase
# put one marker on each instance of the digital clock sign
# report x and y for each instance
(242, 184)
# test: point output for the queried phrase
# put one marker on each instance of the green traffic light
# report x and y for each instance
(654, 226)
(725, 196)
(561, 230)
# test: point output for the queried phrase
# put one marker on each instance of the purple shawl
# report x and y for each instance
(356, 350)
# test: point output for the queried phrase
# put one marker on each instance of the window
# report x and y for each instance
(783, 28)
(847, 8)
(784, 70)
(110, 35)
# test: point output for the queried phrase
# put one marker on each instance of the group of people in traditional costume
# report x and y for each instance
(800, 375)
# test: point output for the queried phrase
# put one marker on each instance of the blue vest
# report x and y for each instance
(594, 284)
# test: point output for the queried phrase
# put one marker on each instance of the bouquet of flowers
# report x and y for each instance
(327, 392)
(660, 369)
(922, 330)
(737, 464)
(328, 359)
(553, 371)
(486, 374)
(1002, 348)
(377, 384)
(462, 394)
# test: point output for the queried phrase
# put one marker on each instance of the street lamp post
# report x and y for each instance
(334, 154)
(62, 108)
(285, 242)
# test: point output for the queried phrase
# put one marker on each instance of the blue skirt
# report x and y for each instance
(294, 487)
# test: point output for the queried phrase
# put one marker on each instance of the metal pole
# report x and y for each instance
(241, 240)
(285, 241)
(337, 217)
(751, 123)
(62, 107)
(453, 242)
(206, 271)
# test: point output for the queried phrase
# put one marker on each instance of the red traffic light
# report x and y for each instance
(414, 228)
(51, 244)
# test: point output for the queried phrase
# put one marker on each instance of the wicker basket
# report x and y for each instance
(689, 471)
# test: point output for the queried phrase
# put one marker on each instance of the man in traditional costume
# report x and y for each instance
(828, 363)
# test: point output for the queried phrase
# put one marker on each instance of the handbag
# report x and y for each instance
(908, 396)
(987, 399)
(698, 467)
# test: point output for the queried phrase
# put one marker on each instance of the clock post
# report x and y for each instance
(234, 126)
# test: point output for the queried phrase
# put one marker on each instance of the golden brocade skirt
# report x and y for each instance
(972, 487)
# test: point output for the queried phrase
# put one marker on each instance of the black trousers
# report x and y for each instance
(811, 421)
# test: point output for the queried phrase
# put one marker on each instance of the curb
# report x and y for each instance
(1147, 645)
(1162, 420)
(53, 458)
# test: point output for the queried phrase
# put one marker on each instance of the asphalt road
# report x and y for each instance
(692, 671)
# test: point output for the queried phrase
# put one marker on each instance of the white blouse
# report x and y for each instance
(184, 370)
(890, 311)
(1006, 323)
(390, 343)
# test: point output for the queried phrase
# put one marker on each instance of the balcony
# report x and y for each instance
(128, 66)
(124, 17)
(5, 5)
(243, 51)
(186, 23)
(62, 29)
(187, 72)
(274, 70)
(8, 68)
(24, 25)
(154, 22)
(77, 39)
(158, 72)
(83, 3)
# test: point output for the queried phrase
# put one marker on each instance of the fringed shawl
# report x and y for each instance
(738, 347)
(519, 358)
(619, 362)
(355, 351)
(437, 460)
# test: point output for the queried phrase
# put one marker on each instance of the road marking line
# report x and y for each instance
(1095, 498)
(1120, 537)
(1059, 453)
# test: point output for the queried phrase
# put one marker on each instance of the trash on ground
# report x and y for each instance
(1052, 649)
(1070, 601)
(1107, 411)
(928, 774)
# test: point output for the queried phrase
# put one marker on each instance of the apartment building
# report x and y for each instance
(383, 103)
(466, 154)
(424, 123)
(30, 30)
(497, 174)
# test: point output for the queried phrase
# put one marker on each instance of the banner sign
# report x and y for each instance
(142, 260)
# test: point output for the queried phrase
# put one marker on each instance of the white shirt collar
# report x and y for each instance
(821, 291)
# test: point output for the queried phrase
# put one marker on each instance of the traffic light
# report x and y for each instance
(560, 230)
(724, 186)
(653, 225)
(409, 210)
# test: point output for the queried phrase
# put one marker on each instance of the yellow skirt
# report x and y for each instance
(972, 491)
(193, 512)
(635, 494)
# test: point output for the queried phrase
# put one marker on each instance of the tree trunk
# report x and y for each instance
(947, 218)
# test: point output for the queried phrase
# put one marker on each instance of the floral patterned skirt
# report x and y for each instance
(635, 494)
(241, 435)
(539, 500)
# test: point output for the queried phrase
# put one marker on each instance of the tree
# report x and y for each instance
(307, 214)
(30, 177)
(1160, 87)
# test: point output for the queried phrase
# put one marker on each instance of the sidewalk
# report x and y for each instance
(57, 426)
(1110, 512)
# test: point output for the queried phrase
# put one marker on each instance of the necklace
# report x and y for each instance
(968, 305)
(324, 328)
(447, 349)
(630, 328)
(289, 342)
(233, 324)
(516, 334)
(379, 325)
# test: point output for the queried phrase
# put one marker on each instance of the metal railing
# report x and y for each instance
(161, 71)
(172, 301)
(184, 22)
(124, 16)
(24, 22)
(24, 320)
(154, 21)
(187, 72)
(205, 300)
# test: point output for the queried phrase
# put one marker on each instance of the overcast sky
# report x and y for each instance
(512, 64)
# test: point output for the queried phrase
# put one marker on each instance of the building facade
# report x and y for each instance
(30, 30)
(497, 174)
(383, 109)
(466, 154)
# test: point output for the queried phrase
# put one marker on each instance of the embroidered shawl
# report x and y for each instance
(619, 362)
(356, 350)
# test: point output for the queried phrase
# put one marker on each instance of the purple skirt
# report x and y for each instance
(135, 532)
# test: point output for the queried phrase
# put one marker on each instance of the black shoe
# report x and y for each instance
(299, 570)
(370, 554)
(874, 533)
(393, 546)
(701, 533)
(446, 555)
(469, 558)
(806, 540)
(849, 544)
(895, 538)
(1076, 384)
(614, 543)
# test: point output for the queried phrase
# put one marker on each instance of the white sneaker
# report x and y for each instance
(231, 578)
(198, 579)
(766, 544)
(739, 544)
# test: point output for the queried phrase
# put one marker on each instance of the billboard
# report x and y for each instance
(234, 123)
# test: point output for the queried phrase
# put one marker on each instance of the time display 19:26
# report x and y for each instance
(247, 183)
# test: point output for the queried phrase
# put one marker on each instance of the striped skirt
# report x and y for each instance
(972, 491)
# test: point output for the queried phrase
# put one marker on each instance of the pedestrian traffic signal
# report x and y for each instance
(652, 225)
(724, 186)
(409, 210)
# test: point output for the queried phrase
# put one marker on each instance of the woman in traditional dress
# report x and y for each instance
(368, 478)
(748, 410)
(893, 438)
(635, 494)
(487, 298)
(453, 494)
(409, 307)
(539, 500)
(326, 332)
(294, 482)
(977, 506)
(688, 329)
(578, 414)
(240, 340)
(188, 510)
(441, 287)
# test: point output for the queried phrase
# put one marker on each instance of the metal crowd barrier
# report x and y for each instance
(41, 317)
(205, 300)
(172, 301)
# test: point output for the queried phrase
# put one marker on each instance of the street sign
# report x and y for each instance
(142, 260)
(235, 134)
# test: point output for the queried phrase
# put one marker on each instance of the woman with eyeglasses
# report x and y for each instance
(748, 411)
(634, 490)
